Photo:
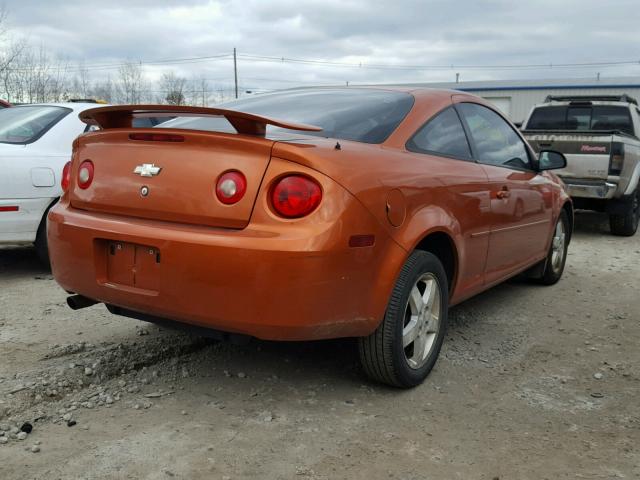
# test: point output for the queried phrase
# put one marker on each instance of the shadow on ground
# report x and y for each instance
(17, 261)
(591, 223)
(336, 359)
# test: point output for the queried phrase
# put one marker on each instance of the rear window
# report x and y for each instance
(22, 125)
(581, 118)
(361, 115)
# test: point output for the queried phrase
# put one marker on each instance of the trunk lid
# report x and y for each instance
(184, 189)
(588, 154)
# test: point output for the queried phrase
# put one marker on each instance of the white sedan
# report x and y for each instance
(35, 145)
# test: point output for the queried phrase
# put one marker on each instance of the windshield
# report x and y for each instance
(361, 115)
(21, 125)
(581, 118)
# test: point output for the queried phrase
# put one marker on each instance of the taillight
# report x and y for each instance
(85, 174)
(231, 187)
(616, 161)
(295, 196)
(66, 177)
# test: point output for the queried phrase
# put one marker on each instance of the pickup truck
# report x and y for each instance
(600, 137)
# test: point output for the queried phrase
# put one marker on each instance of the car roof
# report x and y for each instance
(421, 91)
(422, 95)
(75, 106)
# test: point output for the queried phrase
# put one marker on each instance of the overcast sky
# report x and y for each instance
(373, 32)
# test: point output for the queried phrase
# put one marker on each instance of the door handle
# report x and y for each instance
(504, 193)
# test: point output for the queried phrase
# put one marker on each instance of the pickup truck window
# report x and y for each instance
(611, 118)
(578, 118)
(496, 143)
(548, 118)
(582, 118)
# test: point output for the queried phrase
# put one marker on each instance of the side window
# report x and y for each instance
(495, 141)
(442, 134)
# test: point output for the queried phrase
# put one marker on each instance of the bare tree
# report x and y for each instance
(104, 90)
(58, 85)
(131, 83)
(172, 88)
(82, 82)
(33, 74)
(10, 51)
(200, 90)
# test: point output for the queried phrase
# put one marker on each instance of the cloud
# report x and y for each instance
(396, 32)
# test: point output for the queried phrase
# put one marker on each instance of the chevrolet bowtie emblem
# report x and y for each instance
(147, 170)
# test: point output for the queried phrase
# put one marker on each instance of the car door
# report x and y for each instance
(465, 192)
(520, 209)
(35, 143)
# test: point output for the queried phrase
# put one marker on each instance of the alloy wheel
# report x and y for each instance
(558, 246)
(422, 320)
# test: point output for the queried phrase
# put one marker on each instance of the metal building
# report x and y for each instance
(516, 97)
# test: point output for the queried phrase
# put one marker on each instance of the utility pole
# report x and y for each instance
(457, 78)
(235, 70)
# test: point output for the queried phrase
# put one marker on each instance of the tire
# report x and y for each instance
(557, 256)
(42, 248)
(626, 224)
(421, 316)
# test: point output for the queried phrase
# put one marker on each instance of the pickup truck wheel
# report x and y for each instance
(405, 346)
(557, 256)
(626, 225)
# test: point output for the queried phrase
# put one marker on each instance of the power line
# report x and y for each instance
(357, 65)
(109, 66)
(380, 66)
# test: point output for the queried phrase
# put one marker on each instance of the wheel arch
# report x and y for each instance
(568, 208)
(43, 219)
(442, 245)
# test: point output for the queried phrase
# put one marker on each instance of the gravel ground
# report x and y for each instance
(533, 383)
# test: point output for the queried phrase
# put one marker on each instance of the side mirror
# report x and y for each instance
(551, 160)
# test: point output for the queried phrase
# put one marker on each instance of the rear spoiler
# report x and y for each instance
(121, 116)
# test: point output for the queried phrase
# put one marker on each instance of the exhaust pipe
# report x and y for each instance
(76, 302)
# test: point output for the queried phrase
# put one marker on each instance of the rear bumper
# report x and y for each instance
(303, 284)
(590, 189)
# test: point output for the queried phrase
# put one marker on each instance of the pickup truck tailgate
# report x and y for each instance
(588, 155)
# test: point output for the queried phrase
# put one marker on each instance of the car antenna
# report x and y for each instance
(338, 146)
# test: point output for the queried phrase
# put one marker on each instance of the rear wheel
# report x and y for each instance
(404, 348)
(626, 224)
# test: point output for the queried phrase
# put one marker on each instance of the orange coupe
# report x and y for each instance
(309, 214)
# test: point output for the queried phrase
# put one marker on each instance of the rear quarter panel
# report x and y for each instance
(427, 194)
